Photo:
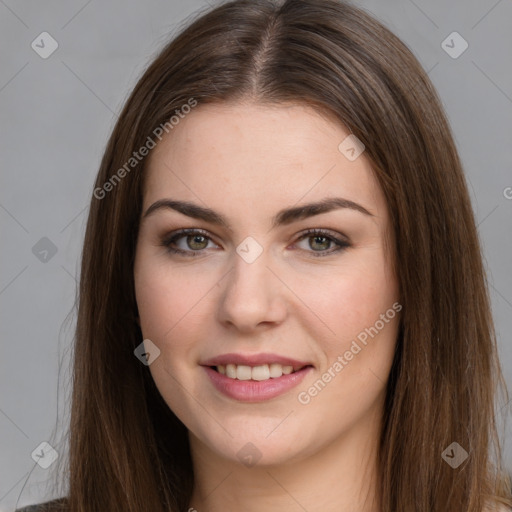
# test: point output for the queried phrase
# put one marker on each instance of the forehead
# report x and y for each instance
(248, 155)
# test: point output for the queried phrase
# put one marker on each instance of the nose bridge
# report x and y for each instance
(249, 277)
(251, 293)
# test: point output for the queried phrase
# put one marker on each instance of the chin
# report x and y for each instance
(259, 443)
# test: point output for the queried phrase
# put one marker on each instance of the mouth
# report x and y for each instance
(257, 373)
(254, 377)
(257, 382)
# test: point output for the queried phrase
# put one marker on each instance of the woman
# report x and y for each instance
(282, 298)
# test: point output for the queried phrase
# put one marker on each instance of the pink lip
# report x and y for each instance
(252, 390)
(254, 360)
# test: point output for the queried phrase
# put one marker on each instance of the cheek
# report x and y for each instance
(363, 312)
(166, 297)
(347, 301)
(169, 305)
(175, 312)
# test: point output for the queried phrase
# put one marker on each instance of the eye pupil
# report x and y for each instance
(325, 241)
(200, 239)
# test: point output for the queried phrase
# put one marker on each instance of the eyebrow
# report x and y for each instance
(283, 217)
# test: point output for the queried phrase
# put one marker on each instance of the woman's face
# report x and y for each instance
(251, 293)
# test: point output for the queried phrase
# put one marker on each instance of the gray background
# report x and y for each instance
(56, 115)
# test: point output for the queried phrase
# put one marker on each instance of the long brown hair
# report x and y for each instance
(128, 451)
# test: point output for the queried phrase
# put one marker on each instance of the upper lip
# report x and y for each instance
(254, 360)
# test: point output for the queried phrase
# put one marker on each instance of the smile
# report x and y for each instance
(253, 390)
(259, 373)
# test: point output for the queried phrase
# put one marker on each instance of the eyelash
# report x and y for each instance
(173, 237)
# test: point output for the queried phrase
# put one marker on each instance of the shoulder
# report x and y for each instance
(57, 505)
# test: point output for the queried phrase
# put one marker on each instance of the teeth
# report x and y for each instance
(276, 370)
(231, 371)
(262, 372)
(243, 372)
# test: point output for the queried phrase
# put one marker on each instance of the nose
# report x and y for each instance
(253, 296)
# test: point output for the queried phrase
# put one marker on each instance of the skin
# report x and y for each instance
(247, 162)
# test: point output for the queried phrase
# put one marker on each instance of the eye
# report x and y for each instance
(193, 242)
(320, 239)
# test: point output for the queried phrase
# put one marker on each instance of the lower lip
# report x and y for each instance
(253, 390)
